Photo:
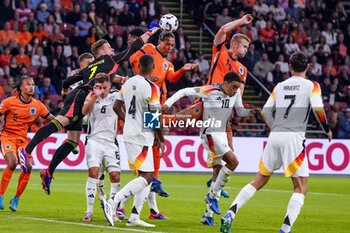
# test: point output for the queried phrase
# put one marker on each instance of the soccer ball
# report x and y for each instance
(168, 23)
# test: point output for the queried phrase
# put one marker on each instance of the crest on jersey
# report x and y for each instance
(7, 147)
(197, 111)
(32, 111)
(165, 66)
(241, 70)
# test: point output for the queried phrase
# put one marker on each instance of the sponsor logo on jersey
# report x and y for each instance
(241, 70)
(151, 120)
(7, 147)
(165, 66)
(219, 98)
(197, 110)
(32, 111)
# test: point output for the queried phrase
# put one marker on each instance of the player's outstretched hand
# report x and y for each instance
(165, 108)
(98, 89)
(329, 135)
(189, 66)
(246, 19)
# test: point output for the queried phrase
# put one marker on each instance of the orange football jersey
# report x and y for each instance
(19, 115)
(222, 63)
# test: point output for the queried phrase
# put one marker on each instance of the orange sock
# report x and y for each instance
(156, 160)
(22, 183)
(5, 180)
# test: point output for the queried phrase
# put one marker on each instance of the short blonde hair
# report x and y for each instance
(239, 37)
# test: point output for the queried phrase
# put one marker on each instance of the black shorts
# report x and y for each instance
(73, 105)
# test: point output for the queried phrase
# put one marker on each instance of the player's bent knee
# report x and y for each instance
(114, 177)
(12, 165)
(148, 176)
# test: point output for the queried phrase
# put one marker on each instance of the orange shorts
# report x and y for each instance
(196, 110)
(12, 145)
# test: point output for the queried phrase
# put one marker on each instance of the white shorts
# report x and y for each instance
(99, 152)
(140, 158)
(216, 145)
(287, 149)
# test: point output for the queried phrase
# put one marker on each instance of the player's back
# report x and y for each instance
(139, 95)
(292, 103)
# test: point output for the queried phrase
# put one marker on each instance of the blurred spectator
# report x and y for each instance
(250, 31)
(15, 69)
(179, 61)
(311, 9)
(46, 87)
(75, 15)
(344, 125)
(85, 47)
(34, 43)
(58, 14)
(278, 11)
(346, 98)
(110, 37)
(342, 15)
(50, 24)
(329, 34)
(343, 77)
(111, 16)
(58, 54)
(42, 13)
(48, 104)
(5, 58)
(74, 57)
(142, 17)
(101, 7)
(57, 36)
(284, 32)
(119, 44)
(251, 57)
(93, 35)
(291, 46)
(308, 48)
(203, 64)
(260, 23)
(83, 25)
(36, 125)
(134, 6)
(23, 11)
(22, 58)
(299, 35)
(15, 24)
(100, 28)
(342, 48)
(117, 5)
(292, 10)
(260, 44)
(189, 53)
(39, 59)
(304, 20)
(223, 18)
(316, 68)
(262, 67)
(268, 32)
(180, 38)
(66, 69)
(8, 87)
(54, 72)
(333, 95)
(333, 117)
(67, 6)
(92, 14)
(6, 34)
(284, 67)
(31, 23)
(260, 7)
(314, 33)
(76, 39)
(124, 70)
(40, 33)
(6, 12)
(274, 77)
(329, 65)
(126, 17)
(152, 7)
(59, 106)
(291, 23)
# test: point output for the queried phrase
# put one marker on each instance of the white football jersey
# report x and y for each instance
(217, 106)
(139, 94)
(291, 102)
(102, 120)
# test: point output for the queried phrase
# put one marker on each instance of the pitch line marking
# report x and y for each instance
(81, 224)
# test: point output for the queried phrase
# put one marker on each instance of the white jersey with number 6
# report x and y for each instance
(139, 94)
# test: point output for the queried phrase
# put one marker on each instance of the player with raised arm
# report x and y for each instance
(18, 113)
(101, 143)
(106, 61)
(291, 100)
(218, 101)
(138, 94)
(163, 70)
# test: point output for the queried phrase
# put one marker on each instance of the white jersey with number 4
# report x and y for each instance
(102, 120)
(139, 94)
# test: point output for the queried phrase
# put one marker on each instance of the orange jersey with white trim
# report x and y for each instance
(162, 67)
(19, 116)
(222, 63)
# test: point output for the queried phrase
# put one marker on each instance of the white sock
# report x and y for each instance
(129, 190)
(243, 196)
(115, 187)
(293, 210)
(152, 202)
(139, 199)
(90, 191)
(221, 180)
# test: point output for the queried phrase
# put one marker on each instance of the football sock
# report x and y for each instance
(139, 199)
(90, 191)
(221, 180)
(152, 203)
(5, 180)
(293, 210)
(243, 196)
(115, 187)
(156, 160)
(129, 190)
(22, 183)
(61, 153)
(45, 131)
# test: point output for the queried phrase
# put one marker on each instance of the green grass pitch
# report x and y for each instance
(326, 208)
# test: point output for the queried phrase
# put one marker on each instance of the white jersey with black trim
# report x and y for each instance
(102, 120)
(139, 94)
(217, 106)
(292, 100)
